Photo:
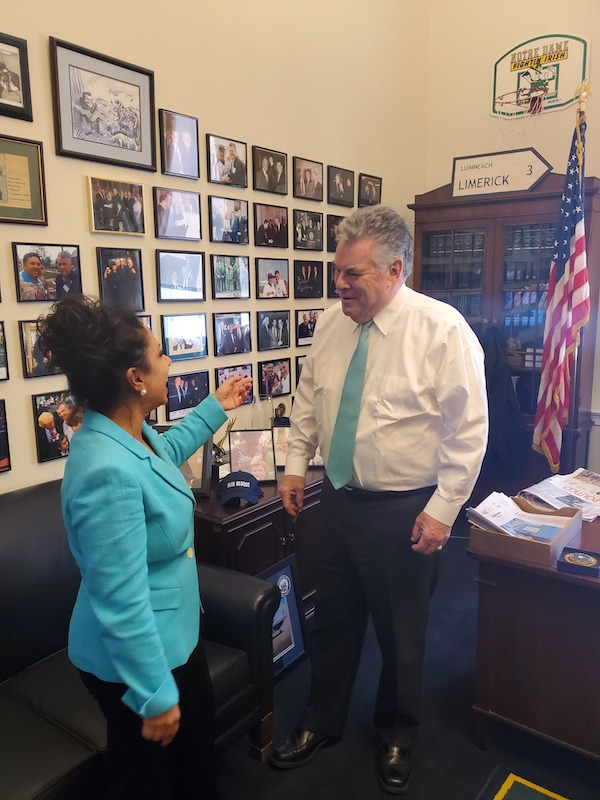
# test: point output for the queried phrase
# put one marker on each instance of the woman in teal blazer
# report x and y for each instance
(134, 632)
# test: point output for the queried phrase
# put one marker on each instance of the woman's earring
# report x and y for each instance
(143, 393)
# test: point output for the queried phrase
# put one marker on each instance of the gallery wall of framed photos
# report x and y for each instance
(138, 188)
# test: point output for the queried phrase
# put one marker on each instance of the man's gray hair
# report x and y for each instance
(64, 254)
(388, 229)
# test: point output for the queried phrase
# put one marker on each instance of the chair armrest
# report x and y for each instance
(239, 611)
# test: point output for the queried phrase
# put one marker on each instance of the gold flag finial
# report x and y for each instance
(583, 91)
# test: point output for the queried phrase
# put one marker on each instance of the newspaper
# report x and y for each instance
(580, 489)
(499, 513)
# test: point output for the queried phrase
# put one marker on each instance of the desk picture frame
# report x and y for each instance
(253, 451)
(197, 470)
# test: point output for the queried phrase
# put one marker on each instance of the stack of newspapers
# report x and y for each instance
(580, 489)
(499, 513)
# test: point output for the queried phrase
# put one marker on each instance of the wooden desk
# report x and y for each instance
(258, 536)
(538, 648)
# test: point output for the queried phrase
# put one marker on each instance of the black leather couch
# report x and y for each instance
(51, 732)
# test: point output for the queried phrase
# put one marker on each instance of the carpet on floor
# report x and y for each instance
(505, 785)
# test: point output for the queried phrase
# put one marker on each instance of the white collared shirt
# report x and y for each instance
(423, 419)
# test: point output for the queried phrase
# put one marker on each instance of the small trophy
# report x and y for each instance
(220, 455)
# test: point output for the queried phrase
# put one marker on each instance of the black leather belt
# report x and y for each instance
(365, 494)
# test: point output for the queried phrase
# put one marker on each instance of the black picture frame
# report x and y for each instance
(146, 320)
(116, 207)
(228, 220)
(233, 169)
(86, 125)
(340, 186)
(304, 337)
(288, 621)
(184, 392)
(184, 336)
(274, 377)
(308, 230)
(54, 260)
(120, 277)
(270, 225)
(333, 222)
(268, 286)
(26, 204)
(179, 149)
(52, 442)
(176, 214)
(308, 279)
(243, 371)
(16, 95)
(332, 293)
(272, 176)
(369, 190)
(303, 188)
(271, 334)
(4, 375)
(4, 443)
(230, 277)
(253, 451)
(32, 358)
(232, 333)
(197, 470)
(299, 364)
(180, 276)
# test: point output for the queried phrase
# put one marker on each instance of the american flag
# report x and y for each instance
(567, 309)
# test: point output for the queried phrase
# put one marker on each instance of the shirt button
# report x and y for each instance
(190, 552)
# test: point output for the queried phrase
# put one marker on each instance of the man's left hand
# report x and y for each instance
(429, 534)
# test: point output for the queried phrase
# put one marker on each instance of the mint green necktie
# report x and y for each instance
(341, 452)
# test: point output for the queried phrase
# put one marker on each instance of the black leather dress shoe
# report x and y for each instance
(393, 767)
(300, 748)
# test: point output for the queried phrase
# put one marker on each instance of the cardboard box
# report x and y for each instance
(505, 546)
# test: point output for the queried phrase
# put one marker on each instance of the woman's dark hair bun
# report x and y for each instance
(94, 344)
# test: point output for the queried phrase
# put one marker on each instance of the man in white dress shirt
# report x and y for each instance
(420, 440)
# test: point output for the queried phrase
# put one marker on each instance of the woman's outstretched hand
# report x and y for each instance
(233, 392)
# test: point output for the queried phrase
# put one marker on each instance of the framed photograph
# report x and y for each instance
(232, 333)
(185, 392)
(178, 144)
(180, 276)
(184, 336)
(116, 206)
(369, 190)
(4, 448)
(340, 186)
(333, 224)
(252, 451)
(103, 107)
(270, 170)
(299, 364)
(55, 421)
(227, 161)
(273, 329)
(15, 92)
(332, 292)
(197, 470)
(308, 230)
(35, 364)
(281, 436)
(146, 320)
(228, 220)
(272, 278)
(270, 226)
(3, 356)
(46, 271)
(22, 187)
(308, 279)
(242, 371)
(308, 179)
(274, 376)
(288, 623)
(230, 277)
(120, 277)
(176, 214)
(306, 322)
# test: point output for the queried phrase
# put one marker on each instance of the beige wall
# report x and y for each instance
(320, 80)
(391, 87)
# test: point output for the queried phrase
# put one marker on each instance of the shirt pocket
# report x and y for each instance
(163, 599)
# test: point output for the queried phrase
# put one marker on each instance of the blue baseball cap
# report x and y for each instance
(239, 485)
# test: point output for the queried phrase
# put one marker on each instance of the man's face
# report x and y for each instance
(62, 411)
(284, 370)
(314, 175)
(277, 276)
(265, 164)
(64, 265)
(364, 289)
(187, 138)
(175, 137)
(266, 322)
(221, 155)
(232, 152)
(305, 319)
(33, 267)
